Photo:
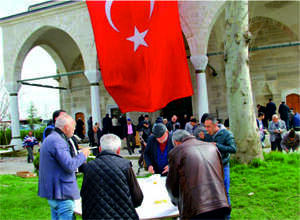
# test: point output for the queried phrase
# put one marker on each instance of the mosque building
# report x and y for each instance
(64, 30)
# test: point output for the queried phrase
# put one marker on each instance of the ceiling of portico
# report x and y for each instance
(284, 15)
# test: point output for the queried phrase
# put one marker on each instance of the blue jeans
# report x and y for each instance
(62, 209)
(227, 183)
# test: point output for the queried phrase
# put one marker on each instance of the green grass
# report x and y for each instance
(274, 183)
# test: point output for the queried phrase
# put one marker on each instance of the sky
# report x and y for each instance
(37, 63)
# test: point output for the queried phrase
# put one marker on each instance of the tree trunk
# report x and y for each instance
(239, 91)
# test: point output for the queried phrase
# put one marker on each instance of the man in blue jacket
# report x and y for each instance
(157, 149)
(225, 143)
(57, 181)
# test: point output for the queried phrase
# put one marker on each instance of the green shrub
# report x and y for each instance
(5, 136)
(36, 163)
(39, 134)
(257, 163)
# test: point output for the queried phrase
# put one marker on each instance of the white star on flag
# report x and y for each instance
(138, 38)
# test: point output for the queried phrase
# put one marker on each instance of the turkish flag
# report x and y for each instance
(141, 53)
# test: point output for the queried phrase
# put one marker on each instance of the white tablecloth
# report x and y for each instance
(156, 203)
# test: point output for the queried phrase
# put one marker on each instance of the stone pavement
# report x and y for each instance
(13, 164)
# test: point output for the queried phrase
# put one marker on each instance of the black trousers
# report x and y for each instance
(130, 141)
(276, 144)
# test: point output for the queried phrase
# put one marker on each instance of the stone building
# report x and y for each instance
(64, 30)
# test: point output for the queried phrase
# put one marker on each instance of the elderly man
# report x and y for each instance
(157, 149)
(224, 140)
(110, 189)
(276, 129)
(200, 192)
(57, 181)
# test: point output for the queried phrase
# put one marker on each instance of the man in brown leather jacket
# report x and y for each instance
(195, 181)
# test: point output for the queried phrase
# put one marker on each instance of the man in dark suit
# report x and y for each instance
(284, 111)
(270, 109)
(107, 124)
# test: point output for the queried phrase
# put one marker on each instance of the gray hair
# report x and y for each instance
(63, 120)
(274, 116)
(110, 142)
(179, 135)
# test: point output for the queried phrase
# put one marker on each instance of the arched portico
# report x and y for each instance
(71, 45)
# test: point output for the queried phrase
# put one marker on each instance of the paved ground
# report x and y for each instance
(12, 164)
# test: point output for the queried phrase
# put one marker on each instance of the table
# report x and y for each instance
(156, 203)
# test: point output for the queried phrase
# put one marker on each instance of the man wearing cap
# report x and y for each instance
(129, 133)
(158, 147)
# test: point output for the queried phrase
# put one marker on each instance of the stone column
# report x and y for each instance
(94, 78)
(200, 62)
(13, 89)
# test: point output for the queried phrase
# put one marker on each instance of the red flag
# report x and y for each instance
(141, 53)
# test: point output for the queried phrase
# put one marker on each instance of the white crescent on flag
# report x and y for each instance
(108, 5)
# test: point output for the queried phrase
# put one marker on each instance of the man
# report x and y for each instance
(224, 140)
(261, 127)
(158, 147)
(94, 136)
(291, 140)
(28, 143)
(72, 141)
(276, 130)
(57, 181)
(50, 127)
(270, 109)
(129, 134)
(183, 121)
(263, 109)
(172, 123)
(200, 192)
(80, 128)
(110, 189)
(107, 124)
(284, 111)
(296, 122)
(191, 126)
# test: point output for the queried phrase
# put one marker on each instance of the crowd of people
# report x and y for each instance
(194, 156)
(281, 128)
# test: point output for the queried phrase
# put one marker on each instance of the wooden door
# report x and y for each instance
(293, 101)
(80, 115)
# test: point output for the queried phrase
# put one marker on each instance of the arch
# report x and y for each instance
(268, 22)
(58, 43)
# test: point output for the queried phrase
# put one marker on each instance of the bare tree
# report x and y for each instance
(3, 109)
(3, 100)
(239, 92)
